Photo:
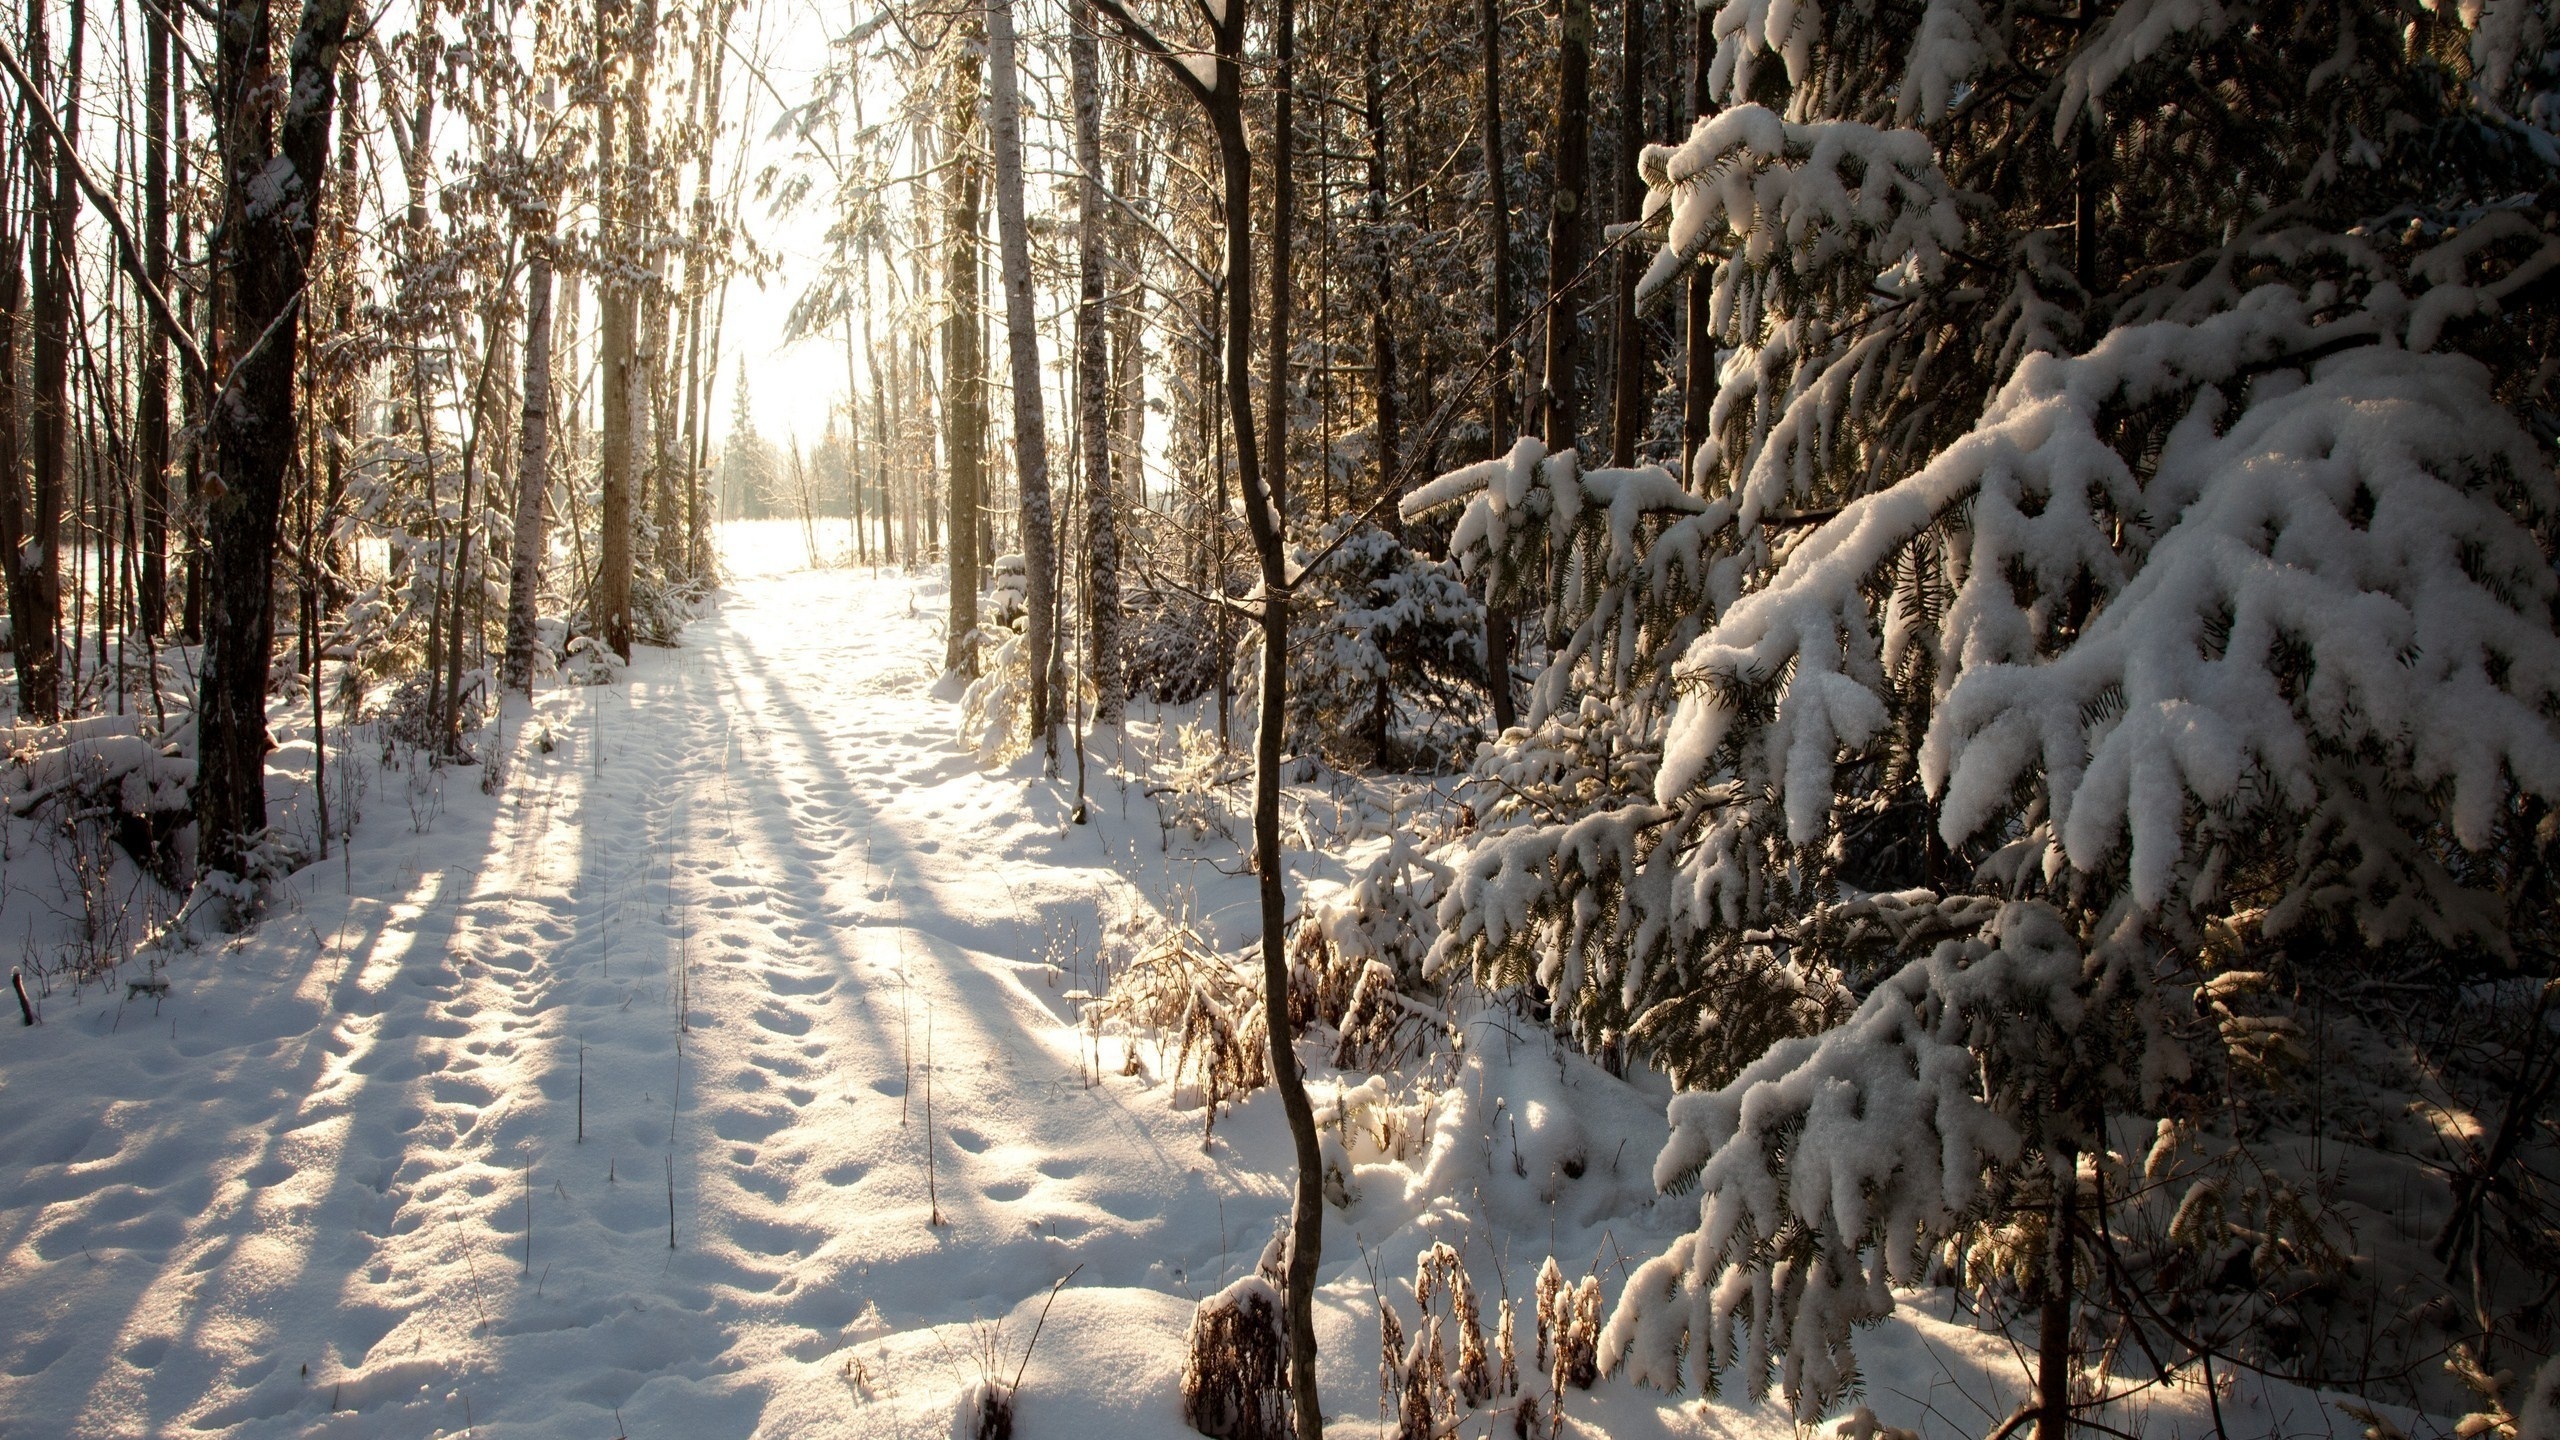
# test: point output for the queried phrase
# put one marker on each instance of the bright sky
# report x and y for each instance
(791, 387)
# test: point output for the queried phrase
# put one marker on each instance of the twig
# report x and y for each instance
(933, 1196)
(1016, 1387)
(128, 252)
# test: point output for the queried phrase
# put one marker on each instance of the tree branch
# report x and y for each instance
(1137, 33)
(128, 253)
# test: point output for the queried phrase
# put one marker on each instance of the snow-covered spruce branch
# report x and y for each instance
(1836, 1166)
(2338, 570)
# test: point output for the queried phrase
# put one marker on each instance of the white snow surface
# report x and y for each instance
(752, 905)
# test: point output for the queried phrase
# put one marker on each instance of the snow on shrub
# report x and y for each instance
(1235, 1380)
(1173, 646)
(1834, 1166)
(1380, 638)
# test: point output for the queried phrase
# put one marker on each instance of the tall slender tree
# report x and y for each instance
(1221, 98)
(617, 338)
(1022, 335)
(151, 403)
(1093, 379)
(964, 407)
(1385, 439)
(1627, 402)
(533, 470)
(1698, 373)
(1568, 227)
(36, 629)
(1500, 415)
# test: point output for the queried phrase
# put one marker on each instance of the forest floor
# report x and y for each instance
(805, 976)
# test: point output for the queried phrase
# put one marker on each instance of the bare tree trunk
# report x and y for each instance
(697, 548)
(1284, 214)
(533, 471)
(856, 449)
(13, 500)
(1128, 345)
(1568, 226)
(251, 432)
(1382, 338)
(191, 397)
(1700, 378)
(964, 405)
(1627, 404)
(651, 411)
(1093, 421)
(1500, 418)
(151, 406)
(2053, 1311)
(1030, 426)
(610, 612)
(36, 632)
(1224, 102)
(889, 536)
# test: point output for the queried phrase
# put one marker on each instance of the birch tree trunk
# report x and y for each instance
(275, 146)
(1093, 381)
(1022, 335)
(533, 468)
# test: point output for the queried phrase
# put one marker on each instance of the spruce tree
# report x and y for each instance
(2123, 533)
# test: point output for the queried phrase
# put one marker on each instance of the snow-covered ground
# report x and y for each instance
(805, 976)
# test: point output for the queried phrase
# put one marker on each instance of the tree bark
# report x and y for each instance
(2053, 1317)
(269, 211)
(36, 628)
(533, 470)
(889, 536)
(1128, 334)
(1284, 210)
(697, 525)
(1093, 381)
(964, 405)
(657, 393)
(1568, 227)
(618, 365)
(1030, 426)
(192, 397)
(151, 405)
(1627, 404)
(1382, 339)
(13, 500)
(1700, 378)
(1500, 419)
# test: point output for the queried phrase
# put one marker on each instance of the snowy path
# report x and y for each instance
(297, 1202)
(794, 956)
